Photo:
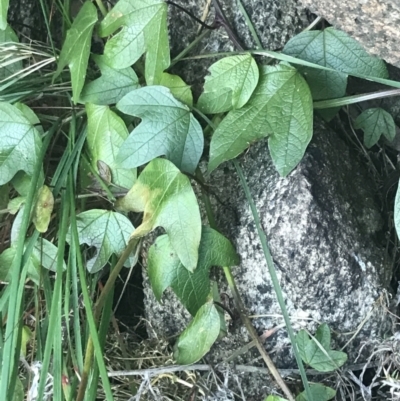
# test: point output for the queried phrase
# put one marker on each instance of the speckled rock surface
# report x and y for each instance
(374, 23)
(324, 228)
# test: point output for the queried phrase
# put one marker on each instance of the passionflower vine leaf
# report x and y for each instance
(167, 200)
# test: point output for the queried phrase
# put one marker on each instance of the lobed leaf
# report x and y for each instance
(375, 122)
(143, 26)
(230, 85)
(166, 270)
(337, 50)
(106, 134)
(105, 230)
(167, 128)
(20, 144)
(76, 49)
(199, 336)
(281, 108)
(167, 199)
(111, 87)
(317, 353)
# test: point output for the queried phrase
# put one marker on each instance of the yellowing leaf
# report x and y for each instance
(167, 199)
(76, 49)
(144, 29)
(43, 209)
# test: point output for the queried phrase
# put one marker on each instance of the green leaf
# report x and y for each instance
(167, 128)
(15, 204)
(199, 336)
(111, 87)
(108, 232)
(274, 398)
(26, 337)
(44, 254)
(167, 199)
(19, 392)
(319, 392)
(144, 30)
(3, 13)
(43, 209)
(76, 49)
(106, 134)
(230, 85)
(178, 87)
(281, 108)
(397, 211)
(375, 122)
(333, 49)
(19, 143)
(317, 353)
(8, 36)
(165, 269)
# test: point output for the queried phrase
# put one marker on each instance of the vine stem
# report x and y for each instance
(133, 242)
(274, 278)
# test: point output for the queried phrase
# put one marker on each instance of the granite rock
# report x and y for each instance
(373, 23)
(324, 228)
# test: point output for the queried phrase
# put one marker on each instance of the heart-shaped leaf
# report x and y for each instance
(20, 143)
(375, 122)
(319, 392)
(108, 232)
(317, 353)
(230, 85)
(167, 199)
(106, 134)
(111, 87)
(281, 108)
(76, 49)
(199, 336)
(334, 49)
(144, 29)
(166, 270)
(167, 128)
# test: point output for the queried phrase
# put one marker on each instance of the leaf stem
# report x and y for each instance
(274, 278)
